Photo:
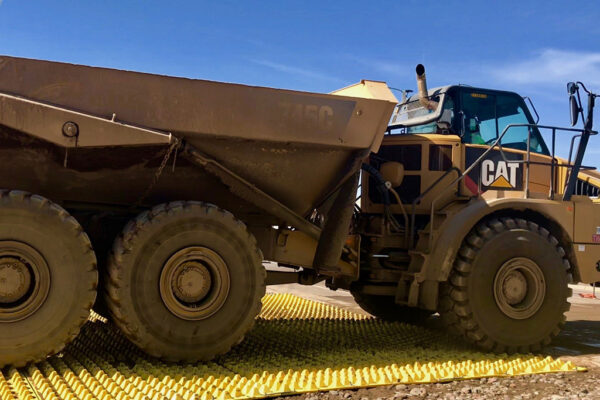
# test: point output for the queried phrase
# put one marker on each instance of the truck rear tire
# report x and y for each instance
(508, 289)
(185, 281)
(48, 278)
(385, 308)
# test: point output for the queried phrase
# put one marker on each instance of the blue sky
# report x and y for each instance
(532, 48)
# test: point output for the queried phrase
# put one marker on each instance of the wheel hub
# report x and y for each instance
(24, 281)
(519, 288)
(514, 287)
(194, 283)
(191, 282)
(15, 280)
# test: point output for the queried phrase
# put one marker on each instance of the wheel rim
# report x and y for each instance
(194, 283)
(519, 288)
(24, 281)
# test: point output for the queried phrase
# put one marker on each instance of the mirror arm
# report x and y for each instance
(589, 122)
(579, 103)
(579, 83)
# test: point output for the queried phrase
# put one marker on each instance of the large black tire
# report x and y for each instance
(102, 233)
(508, 289)
(47, 261)
(151, 315)
(385, 307)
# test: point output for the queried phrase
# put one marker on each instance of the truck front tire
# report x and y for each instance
(508, 289)
(185, 281)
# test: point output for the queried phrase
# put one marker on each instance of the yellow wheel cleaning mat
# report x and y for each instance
(296, 346)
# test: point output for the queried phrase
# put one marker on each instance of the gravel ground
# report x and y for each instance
(548, 387)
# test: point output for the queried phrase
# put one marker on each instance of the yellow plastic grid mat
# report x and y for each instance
(297, 346)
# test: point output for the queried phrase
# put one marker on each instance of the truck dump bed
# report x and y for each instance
(295, 146)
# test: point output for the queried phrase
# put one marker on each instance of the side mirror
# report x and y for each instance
(573, 106)
(574, 109)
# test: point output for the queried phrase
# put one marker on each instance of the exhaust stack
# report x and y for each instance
(422, 85)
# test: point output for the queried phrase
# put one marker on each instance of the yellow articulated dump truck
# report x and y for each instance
(156, 200)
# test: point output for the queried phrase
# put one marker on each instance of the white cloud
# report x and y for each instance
(552, 66)
(293, 70)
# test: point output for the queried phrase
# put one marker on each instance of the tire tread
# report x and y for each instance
(128, 239)
(454, 300)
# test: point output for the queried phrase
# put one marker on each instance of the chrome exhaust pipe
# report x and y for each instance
(422, 86)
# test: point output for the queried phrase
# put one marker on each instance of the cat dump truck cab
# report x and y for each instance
(484, 224)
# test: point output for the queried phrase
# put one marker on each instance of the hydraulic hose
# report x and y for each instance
(374, 172)
(385, 193)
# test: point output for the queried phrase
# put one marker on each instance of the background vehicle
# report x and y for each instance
(181, 188)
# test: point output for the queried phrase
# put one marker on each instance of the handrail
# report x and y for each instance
(571, 146)
(537, 116)
(552, 162)
(498, 144)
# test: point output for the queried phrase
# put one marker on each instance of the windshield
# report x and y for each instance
(413, 117)
(488, 114)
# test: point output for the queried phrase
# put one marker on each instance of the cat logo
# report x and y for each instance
(497, 171)
(501, 175)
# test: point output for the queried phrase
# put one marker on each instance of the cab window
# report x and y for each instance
(479, 117)
(487, 115)
(510, 111)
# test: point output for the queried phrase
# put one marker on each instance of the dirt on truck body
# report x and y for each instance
(156, 199)
(184, 278)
